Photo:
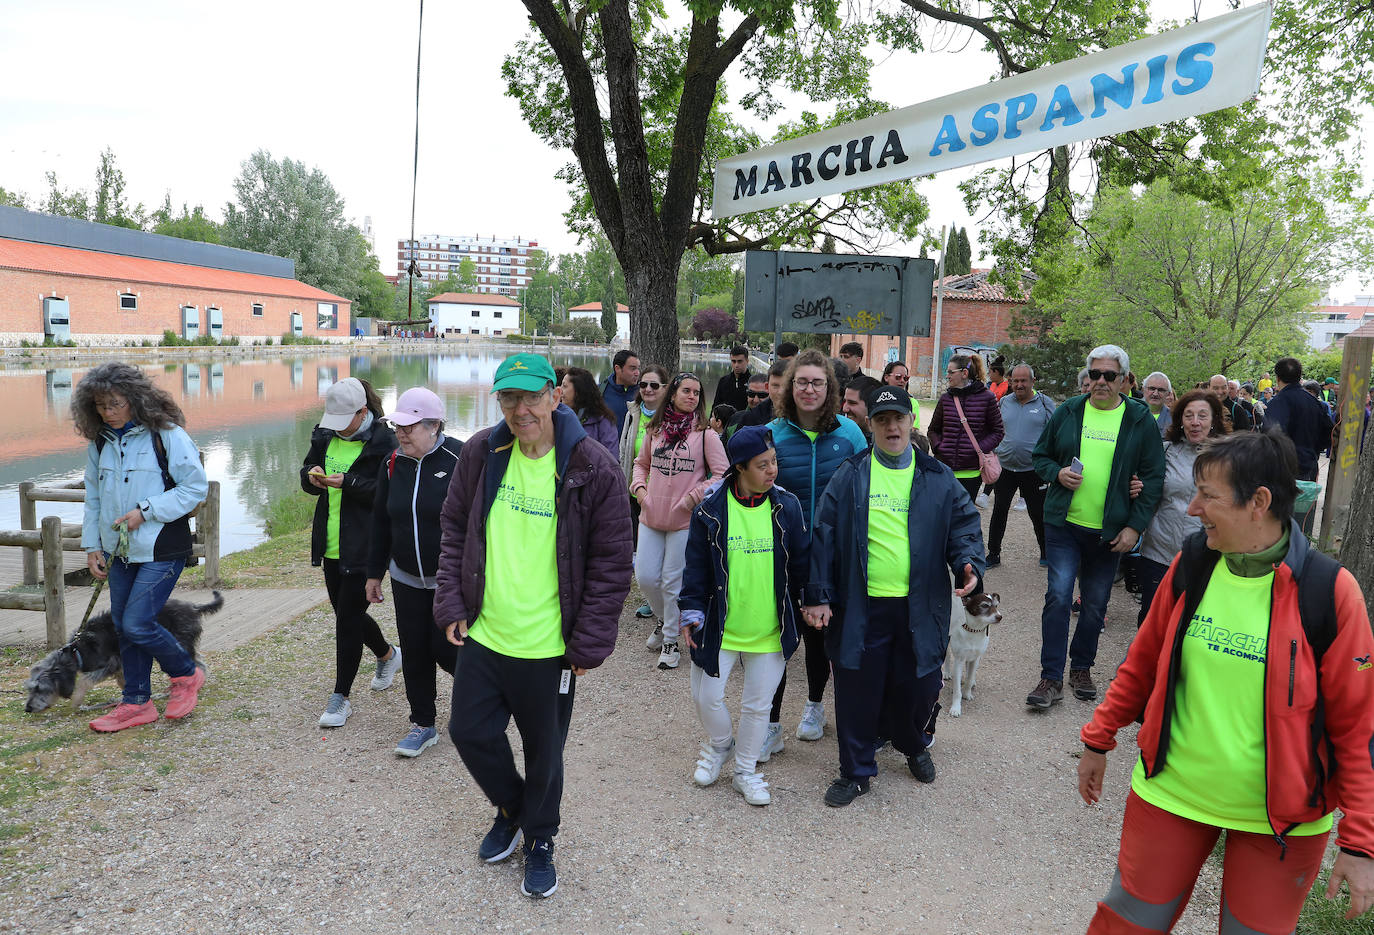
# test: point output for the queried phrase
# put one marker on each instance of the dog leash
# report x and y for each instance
(121, 551)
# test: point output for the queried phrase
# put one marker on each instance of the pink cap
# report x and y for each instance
(416, 404)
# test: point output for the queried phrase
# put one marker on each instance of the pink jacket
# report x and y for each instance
(670, 484)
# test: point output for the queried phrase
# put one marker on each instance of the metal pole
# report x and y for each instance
(939, 314)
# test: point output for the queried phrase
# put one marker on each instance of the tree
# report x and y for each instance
(64, 203)
(586, 331)
(191, 224)
(609, 323)
(109, 205)
(282, 209)
(374, 296)
(713, 323)
(467, 275)
(13, 199)
(639, 176)
(1192, 288)
(965, 251)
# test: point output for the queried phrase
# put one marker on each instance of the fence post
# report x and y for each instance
(209, 530)
(28, 519)
(54, 588)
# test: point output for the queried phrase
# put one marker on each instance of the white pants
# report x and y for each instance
(762, 672)
(658, 568)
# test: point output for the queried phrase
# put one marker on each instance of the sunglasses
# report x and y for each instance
(648, 385)
(755, 395)
(1110, 376)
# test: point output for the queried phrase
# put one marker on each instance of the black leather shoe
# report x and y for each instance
(921, 766)
(845, 790)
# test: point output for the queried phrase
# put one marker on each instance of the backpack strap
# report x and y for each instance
(391, 464)
(160, 451)
(1317, 609)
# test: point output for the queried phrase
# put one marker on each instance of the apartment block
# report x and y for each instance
(502, 262)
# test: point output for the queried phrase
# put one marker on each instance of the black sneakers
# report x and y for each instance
(922, 766)
(501, 840)
(845, 790)
(540, 878)
(994, 559)
(1045, 694)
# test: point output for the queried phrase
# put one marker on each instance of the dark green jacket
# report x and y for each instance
(1139, 451)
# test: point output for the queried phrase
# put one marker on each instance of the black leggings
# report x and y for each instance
(971, 484)
(817, 671)
(423, 646)
(353, 626)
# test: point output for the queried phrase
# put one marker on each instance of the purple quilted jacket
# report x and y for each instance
(948, 440)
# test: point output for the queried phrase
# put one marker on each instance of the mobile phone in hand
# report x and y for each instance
(1076, 466)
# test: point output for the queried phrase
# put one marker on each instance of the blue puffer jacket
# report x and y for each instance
(122, 472)
(706, 576)
(945, 533)
(805, 467)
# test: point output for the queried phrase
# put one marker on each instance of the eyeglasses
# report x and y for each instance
(950, 373)
(511, 399)
(1111, 376)
(752, 394)
(648, 385)
(899, 377)
(1156, 389)
(809, 384)
(111, 405)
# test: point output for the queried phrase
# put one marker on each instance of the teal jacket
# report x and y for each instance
(804, 466)
(1139, 451)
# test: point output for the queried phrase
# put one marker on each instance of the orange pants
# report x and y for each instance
(1262, 889)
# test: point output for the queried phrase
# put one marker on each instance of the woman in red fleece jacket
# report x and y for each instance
(1245, 729)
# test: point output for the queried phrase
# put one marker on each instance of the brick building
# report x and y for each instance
(976, 315)
(97, 284)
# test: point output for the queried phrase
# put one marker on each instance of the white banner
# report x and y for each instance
(1192, 70)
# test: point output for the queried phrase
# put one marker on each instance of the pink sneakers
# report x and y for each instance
(185, 691)
(126, 715)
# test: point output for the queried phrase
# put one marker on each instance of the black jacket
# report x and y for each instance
(355, 507)
(1303, 419)
(761, 414)
(405, 510)
(732, 390)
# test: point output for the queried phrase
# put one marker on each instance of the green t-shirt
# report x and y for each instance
(1097, 447)
(751, 620)
(889, 550)
(644, 421)
(338, 458)
(520, 615)
(811, 435)
(1215, 770)
(915, 413)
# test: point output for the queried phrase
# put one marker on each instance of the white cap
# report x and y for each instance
(342, 403)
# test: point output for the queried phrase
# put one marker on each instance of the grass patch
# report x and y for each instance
(1322, 916)
(289, 514)
(283, 562)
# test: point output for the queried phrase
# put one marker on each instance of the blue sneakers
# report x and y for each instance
(417, 741)
(501, 840)
(540, 878)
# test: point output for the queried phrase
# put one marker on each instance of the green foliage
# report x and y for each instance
(586, 331)
(1192, 288)
(1056, 363)
(293, 338)
(1318, 365)
(191, 224)
(375, 298)
(13, 199)
(282, 209)
(171, 339)
(289, 513)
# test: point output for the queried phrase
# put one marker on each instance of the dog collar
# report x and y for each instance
(971, 630)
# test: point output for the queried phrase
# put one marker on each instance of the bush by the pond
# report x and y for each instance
(290, 513)
(289, 338)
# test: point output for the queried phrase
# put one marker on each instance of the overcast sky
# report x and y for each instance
(184, 92)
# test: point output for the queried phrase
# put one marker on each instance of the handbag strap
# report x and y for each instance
(977, 449)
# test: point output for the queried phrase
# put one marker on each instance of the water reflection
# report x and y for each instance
(252, 418)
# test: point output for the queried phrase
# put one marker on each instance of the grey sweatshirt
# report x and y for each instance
(1023, 424)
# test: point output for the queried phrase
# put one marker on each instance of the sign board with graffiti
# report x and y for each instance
(837, 294)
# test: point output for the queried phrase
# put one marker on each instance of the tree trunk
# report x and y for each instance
(1357, 548)
(652, 285)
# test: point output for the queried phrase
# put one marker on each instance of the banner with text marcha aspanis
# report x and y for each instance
(1192, 70)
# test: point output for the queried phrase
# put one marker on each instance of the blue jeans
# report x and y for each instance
(138, 590)
(1074, 553)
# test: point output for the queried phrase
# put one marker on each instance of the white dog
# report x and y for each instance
(968, 641)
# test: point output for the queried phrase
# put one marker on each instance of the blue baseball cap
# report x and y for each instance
(748, 443)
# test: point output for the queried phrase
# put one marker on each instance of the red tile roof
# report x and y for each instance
(596, 306)
(69, 261)
(474, 298)
(975, 286)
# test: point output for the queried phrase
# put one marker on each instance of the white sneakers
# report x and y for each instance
(772, 743)
(336, 712)
(712, 759)
(753, 788)
(669, 657)
(982, 501)
(386, 670)
(655, 640)
(812, 724)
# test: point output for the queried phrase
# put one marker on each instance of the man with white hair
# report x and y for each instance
(1087, 455)
(1157, 390)
(1242, 413)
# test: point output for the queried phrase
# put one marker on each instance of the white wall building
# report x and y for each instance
(592, 312)
(502, 262)
(466, 313)
(1327, 324)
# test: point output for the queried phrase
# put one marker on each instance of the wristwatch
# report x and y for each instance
(145, 508)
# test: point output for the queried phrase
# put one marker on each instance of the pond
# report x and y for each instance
(251, 418)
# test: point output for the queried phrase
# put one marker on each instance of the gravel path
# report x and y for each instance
(249, 818)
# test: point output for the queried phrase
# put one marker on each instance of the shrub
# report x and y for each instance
(289, 513)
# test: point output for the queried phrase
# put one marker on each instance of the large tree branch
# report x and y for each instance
(983, 27)
(627, 124)
(588, 136)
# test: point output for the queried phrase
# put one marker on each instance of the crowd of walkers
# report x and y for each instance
(804, 508)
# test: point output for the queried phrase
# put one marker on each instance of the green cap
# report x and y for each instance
(1330, 379)
(523, 372)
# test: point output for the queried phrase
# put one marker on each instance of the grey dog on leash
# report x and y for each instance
(92, 655)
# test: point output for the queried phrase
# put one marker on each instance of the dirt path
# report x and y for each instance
(249, 818)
